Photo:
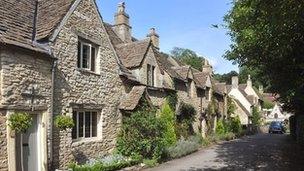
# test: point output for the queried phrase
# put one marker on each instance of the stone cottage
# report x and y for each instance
(57, 59)
(245, 98)
(159, 73)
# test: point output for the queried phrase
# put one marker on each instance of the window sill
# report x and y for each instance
(81, 141)
(86, 71)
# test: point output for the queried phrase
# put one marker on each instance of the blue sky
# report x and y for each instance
(180, 23)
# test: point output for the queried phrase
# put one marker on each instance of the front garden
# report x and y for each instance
(149, 137)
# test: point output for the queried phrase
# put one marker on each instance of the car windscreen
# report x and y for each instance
(275, 124)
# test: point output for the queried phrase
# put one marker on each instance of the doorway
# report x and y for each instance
(27, 147)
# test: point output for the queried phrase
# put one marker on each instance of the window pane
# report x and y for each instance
(74, 130)
(80, 123)
(85, 56)
(78, 55)
(148, 74)
(152, 75)
(87, 124)
(94, 124)
(93, 55)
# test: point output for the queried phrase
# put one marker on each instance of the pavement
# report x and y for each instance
(269, 152)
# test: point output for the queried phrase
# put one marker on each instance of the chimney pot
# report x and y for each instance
(235, 82)
(122, 26)
(154, 37)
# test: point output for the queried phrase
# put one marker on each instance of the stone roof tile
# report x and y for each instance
(132, 54)
(132, 99)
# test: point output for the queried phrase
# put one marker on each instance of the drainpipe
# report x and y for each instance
(52, 111)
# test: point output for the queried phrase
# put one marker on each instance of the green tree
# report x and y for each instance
(269, 36)
(256, 116)
(231, 107)
(167, 116)
(225, 77)
(188, 57)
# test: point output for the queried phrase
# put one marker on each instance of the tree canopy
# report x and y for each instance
(188, 57)
(268, 36)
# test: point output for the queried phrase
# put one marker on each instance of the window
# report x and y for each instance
(85, 124)
(208, 94)
(150, 75)
(86, 56)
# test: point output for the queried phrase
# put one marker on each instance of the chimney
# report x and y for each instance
(154, 37)
(235, 82)
(207, 67)
(122, 25)
(249, 82)
(261, 89)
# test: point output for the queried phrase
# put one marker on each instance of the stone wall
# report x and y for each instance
(101, 90)
(20, 71)
(142, 75)
(3, 143)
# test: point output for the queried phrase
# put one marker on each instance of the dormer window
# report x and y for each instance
(87, 53)
(150, 75)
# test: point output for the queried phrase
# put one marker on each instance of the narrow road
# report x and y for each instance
(259, 152)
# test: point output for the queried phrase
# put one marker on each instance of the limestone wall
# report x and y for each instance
(21, 70)
(100, 91)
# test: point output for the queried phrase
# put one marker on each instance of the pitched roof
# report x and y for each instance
(132, 54)
(200, 78)
(242, 107)
(132, 99)
(166, 65)
(24, 22)
(220, 88)
(50, 14)
(112, 34)
(182, 71)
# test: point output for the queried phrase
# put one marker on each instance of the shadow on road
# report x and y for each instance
(261, 152)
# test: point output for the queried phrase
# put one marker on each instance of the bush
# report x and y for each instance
(256, 117)
(167, 116)
(172, 100)
(150, 162)
(184, 147)
(20, 122)
(64, 122)
(108, 163)
(185, 119)
(142, 134)
(234, 125)
(220, 127)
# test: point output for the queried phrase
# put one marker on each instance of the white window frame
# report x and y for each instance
(84, 124)
(89, 65)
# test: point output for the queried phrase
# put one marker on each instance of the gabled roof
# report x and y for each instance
(112, 34)
(220, 88)
(182, 71)
(50, 14)
(132, 54)
(242, 107)
(200, 79)
(166, 65)
(132, 99)
(24, 22)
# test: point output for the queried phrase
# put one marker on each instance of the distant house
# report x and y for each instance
(245, 98)
(276, 113)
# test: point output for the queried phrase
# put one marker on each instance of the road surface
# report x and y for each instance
(269, 152)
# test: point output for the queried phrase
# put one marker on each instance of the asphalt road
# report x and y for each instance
(269, 152)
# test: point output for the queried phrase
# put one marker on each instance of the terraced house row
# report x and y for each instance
(58, 57)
